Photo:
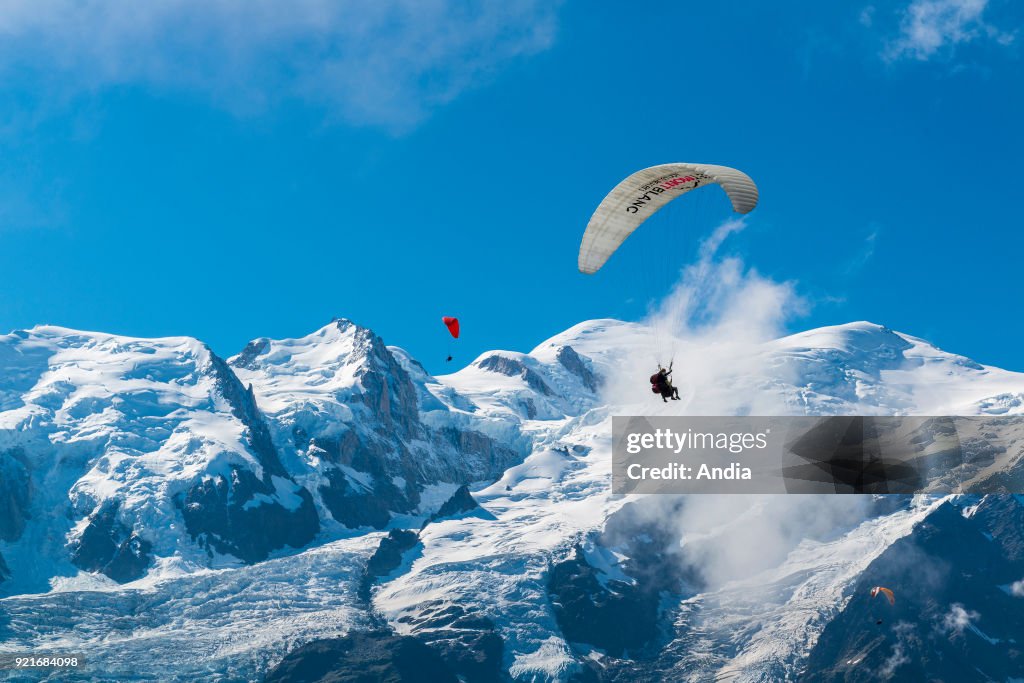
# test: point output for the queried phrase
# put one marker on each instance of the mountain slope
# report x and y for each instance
(359, 427)
(128, 450)
(175, 468)
(559, 496)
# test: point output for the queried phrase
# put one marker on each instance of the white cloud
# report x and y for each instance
(930, 28)
(384, 64)
(719, 300)
(957, 619)
(1017, 589)
(905, 637)
(726, 538)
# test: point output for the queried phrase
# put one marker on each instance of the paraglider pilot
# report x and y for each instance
(661, 384)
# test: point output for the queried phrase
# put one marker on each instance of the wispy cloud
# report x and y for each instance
(905, 638)
(867, 16)
(386, 64)
(719, 297)
(934, 28)
(867, 251)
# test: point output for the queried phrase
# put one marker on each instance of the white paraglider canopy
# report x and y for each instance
(642, 194)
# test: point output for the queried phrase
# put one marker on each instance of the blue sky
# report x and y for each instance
(230, 170)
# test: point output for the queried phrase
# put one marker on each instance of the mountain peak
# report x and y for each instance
(339, 343)
(75, 337)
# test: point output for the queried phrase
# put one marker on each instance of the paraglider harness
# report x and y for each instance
(662, 385)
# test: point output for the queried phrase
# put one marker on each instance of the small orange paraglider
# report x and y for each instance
(882, 590)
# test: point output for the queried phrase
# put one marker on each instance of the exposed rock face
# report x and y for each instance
(243, 407)
(236, 515)
(468, 644)
(487, 454)
(1002, 517)
(617, 617)
(575, 364)
(108, 547)
(362, 658)
(461, 501)
(387, 392)
(369, 500)
(357, 506)
(15, 494)
(387, 558)
(516, 368)
(249, 357)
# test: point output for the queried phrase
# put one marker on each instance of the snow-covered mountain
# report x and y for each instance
(179, 516)
(359, 427)
(123, 453)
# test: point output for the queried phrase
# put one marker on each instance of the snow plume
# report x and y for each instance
(957, 619)
(904, 633)
(720, 312)
(714, 322)
(711, 325)
(727, 538)
(722, 538)
(720, 299)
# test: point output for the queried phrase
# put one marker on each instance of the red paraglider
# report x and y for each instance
(453, 327)
(452, 324)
